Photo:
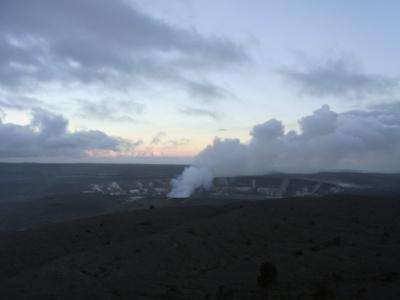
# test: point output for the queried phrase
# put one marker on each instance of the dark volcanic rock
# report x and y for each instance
(324, 293)
(189, 252)
(268, 274)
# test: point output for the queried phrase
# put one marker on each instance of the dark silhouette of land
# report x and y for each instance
(339, 247)
(108, 232)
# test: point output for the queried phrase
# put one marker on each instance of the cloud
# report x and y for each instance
(200, 112)
(47, 135)
(364, 140)
(172, 144)
(9, 101)
(158, 137)
(105, 42)
(110, 109)
(340, 77)
(2, 115)
(159, 140)
(268, 130)
(206, 90)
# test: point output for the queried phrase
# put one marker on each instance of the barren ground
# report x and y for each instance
(322, 248)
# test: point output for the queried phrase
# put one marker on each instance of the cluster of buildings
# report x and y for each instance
(252, 187)
(135, 190)
(269, 187)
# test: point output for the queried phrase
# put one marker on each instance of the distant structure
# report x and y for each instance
(249, 187)
(268, 187)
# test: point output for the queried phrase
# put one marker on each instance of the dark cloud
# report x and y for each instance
(392, 108)
(19, 102)
(386, 113)
(48, 136)
(341, 77)
(206, 90)
(110, 109)
(101, 41)
(200, 112)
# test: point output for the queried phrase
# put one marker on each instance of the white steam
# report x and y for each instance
(191, 179)
(355, 140)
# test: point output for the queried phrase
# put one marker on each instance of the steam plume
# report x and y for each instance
(191, 179)
(364, 140)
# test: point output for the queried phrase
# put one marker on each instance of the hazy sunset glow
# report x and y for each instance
(160, 80)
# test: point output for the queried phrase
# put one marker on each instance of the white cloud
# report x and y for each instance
(355, 140)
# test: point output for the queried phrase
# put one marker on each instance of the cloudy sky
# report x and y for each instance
(157, 81)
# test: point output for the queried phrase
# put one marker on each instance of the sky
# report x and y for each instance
(157, 81)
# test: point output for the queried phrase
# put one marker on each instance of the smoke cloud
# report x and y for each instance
(364, 140)
(191, 179)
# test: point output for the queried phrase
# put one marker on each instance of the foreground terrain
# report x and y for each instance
(322, 248)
